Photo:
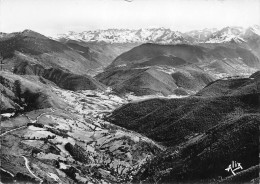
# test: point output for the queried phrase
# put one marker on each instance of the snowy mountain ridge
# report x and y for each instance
(233, 34)
(162, 35)
(153, 35)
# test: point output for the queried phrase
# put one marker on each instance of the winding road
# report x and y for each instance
(32, 121)
(12, 130)
(7, 171)
(44, 113)
(25, 159)
(28, 168)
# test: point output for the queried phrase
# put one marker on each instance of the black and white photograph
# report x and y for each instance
(129, 91)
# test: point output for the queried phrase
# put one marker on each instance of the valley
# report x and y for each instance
(74, 142)
(130, 106)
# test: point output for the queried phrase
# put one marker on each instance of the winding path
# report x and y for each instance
(36, 121)
(28, 168)
(25, 159)
(7, 171)
(5, 134)
(13, 130)
(32, 121)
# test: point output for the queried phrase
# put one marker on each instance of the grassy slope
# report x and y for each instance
(28, 92)
(47, 51)
(204, 133)
(192, 66)
(30, 53)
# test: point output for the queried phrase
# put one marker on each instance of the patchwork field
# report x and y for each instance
(50, 144)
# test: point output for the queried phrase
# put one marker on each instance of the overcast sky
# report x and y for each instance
(50, 17)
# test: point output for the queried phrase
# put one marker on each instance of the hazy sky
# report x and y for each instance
(59, 16)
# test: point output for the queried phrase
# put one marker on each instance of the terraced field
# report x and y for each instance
(55, 143)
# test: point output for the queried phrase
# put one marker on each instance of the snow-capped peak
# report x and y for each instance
(154, 35)
(163, 35)
(254, 29)
(228, 34)
(201, 36)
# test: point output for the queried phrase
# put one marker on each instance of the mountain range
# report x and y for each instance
(162, 35)
(131, 66)
(158, 35)
(151, 69)
(130, 106)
